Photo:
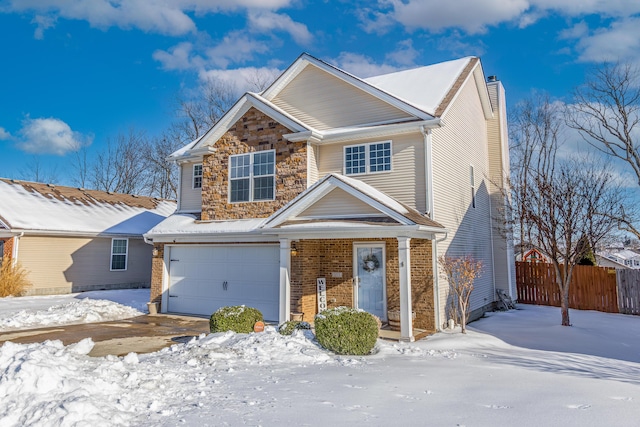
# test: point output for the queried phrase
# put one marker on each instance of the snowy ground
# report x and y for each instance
(86, 307)
(516, 368)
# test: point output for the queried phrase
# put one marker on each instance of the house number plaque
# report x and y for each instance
(322, 293)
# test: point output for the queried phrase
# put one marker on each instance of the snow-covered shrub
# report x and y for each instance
(13, 279)
(236, 318)
(344, 330)
(287, 328)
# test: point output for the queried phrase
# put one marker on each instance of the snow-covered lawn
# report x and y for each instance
(512, 369)
(86, 307)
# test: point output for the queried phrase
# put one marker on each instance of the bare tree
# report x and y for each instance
(80, 165)
(121, 167)
(34, 170)
(461, 272)
(559, 202)
(163, 174)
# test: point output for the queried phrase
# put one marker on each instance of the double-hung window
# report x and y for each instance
(367, 158)
(197, 176)
(119, 252)
(252, 176)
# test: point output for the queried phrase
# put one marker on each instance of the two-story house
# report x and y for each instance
(331, 190)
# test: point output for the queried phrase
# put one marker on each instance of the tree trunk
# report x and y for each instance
(564, 306)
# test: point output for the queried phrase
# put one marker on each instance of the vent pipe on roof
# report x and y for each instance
(492, 79)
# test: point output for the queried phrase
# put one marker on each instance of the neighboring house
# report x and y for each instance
(602, 261)
(329, 190)
(626, 257)
(72, 239)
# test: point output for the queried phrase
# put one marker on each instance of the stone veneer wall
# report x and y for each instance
(255, 131)
(320, 258)
(157, 267)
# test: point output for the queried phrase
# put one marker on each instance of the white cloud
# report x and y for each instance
(265, 21)
(405, 54)
(179, 57)
(362, 66)
(50, 136)
(620, 41)
(245, 79)
(4, 135)
(159, 16)
(235, 47)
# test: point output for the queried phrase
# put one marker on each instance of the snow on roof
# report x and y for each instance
(49, 208)
(187, 224)
(424, 87)
(182, 151)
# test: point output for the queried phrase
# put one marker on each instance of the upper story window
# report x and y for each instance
(252, 176)
(367, 158)
(119, 252)
(473, 186)
(197, 176)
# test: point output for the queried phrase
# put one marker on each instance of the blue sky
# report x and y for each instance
(77, 72)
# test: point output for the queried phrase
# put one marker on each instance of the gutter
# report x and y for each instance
(14, 252)
(428, 170)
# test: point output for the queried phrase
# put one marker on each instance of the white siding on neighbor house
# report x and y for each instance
(190, 198)
(58, 265)
(462, 143)
(323, 101)
(339, 203)
(405, 182)
(504, 262)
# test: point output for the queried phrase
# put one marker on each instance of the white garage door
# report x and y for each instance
(204, 278)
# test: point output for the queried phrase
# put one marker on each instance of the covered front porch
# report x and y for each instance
(390, 277)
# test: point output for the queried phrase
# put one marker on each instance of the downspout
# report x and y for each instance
(428, 167)
(436, 281)
(14, 251)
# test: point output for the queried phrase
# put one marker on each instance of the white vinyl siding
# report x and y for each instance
(312, 164)
(406, 182)
(339, 203)
(323, 101)
(190, 198)
(58, 265)
(460, 143)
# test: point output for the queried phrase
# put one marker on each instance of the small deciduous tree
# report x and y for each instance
(461, 273)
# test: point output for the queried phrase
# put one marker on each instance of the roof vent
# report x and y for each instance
(492, 79)
(51, 186)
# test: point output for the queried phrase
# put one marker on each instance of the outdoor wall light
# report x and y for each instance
(294, 250)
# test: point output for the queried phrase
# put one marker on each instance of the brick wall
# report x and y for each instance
(321, 258)
(253, 132)
(157, 264)
(8, 248)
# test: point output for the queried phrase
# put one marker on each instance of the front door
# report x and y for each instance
(370, 278)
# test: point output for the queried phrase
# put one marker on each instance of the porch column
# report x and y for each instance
(285, 283)
(404, 266)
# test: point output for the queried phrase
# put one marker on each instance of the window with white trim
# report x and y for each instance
(367, 158)
(197, 176)
(252, 176)
(119, 254)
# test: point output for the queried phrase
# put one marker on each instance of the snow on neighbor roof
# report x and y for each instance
(48, 208)
(425, 87)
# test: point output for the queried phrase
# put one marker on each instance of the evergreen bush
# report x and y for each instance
(236, 318)
(287, 328)
(344, 330)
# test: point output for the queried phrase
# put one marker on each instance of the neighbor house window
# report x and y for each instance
(473, 187)
(197, 176)
(252, 176)
(367, 158)
(119, 252)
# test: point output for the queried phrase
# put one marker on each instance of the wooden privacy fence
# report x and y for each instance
(629, 291)
(591, 288)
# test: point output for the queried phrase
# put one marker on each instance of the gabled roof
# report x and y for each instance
(386, 205)
(46, 208)
(423, 94)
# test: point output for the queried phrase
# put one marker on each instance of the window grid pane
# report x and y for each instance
(355, 160)
(118, 254)
(241, 166)
(118, 262)
(240, 190)
(197, 176)
(263, 188)
(380, 157)
(263, 163)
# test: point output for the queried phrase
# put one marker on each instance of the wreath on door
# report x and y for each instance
(370, 263)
